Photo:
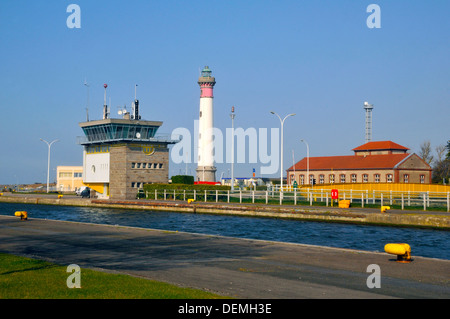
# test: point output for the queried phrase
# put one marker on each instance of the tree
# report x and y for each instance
(425, 152)
(441, 167)
(448, 149)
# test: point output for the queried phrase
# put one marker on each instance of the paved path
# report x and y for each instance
(233, 267)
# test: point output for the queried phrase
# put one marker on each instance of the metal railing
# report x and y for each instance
(311, 196)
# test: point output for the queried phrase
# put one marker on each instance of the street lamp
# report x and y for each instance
(232, 115)
(307, 159)
(48, 164)
(282, 124)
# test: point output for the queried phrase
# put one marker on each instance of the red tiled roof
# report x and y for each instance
(350, 162)
(380, 145)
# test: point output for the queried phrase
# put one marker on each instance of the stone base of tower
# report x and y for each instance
(206, 174)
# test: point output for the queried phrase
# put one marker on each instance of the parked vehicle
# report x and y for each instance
(86, 193)
(79, 190)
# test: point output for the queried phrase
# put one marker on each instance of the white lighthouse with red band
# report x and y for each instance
(206, 172)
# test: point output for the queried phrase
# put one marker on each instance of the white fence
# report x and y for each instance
(313, 196)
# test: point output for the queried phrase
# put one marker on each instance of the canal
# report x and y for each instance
(423, 242)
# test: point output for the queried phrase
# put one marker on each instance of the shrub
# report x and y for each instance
(183, 179)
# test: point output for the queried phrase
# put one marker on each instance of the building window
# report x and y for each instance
(292, 179)
(133, 184)
(302, 179)
(133, 165)
(77, 175)
(365, 178)
(144, 165)
(342, 178)
(160, 165)
(321, 179)
(353, 178)
(389, 178)
(311, 178)
(65, 175)
(422, 179)
(406, 178)
(377, 178)
(332, 179)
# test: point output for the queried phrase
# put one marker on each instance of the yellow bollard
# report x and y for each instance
(190, 200)
(22, 215)
(385, 208)
(403, 252)
(60, 196)
(344, 203)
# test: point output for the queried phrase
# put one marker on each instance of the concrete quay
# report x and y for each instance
(238, 268)
(367, 216)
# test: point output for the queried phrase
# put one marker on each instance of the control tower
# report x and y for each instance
(122, 154)
(206, 172)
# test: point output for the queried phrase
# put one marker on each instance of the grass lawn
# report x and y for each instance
(25, 278)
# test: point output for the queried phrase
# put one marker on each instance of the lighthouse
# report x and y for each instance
(206, 172)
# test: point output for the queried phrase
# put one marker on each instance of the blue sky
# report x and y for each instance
(317, 59)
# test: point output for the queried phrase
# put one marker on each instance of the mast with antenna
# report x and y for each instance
(87, 105)
(105, 107)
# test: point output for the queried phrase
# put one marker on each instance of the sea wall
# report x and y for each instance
(367, 216)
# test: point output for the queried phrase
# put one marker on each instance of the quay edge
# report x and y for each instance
(323, 214)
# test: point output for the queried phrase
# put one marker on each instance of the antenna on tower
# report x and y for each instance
(87, 104)
(135, 107)
(368, 107)
(105, 107)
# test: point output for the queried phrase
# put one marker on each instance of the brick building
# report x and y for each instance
(373, 162)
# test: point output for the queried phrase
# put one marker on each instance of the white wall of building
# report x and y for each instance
(96, 168)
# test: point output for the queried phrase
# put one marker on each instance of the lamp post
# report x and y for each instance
(48, 163)
(307, 159)
(282, 128)
(232, 115)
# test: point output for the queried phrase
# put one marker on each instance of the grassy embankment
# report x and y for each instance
(25, 278)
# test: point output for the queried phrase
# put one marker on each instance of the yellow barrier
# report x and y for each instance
(190, 200)
(60, 196)
(385, 208)
(344, 203)
(403, 251)
(395, 187)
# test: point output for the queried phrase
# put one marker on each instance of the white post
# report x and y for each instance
(448, 201)
(48, 161)
(281, 162)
